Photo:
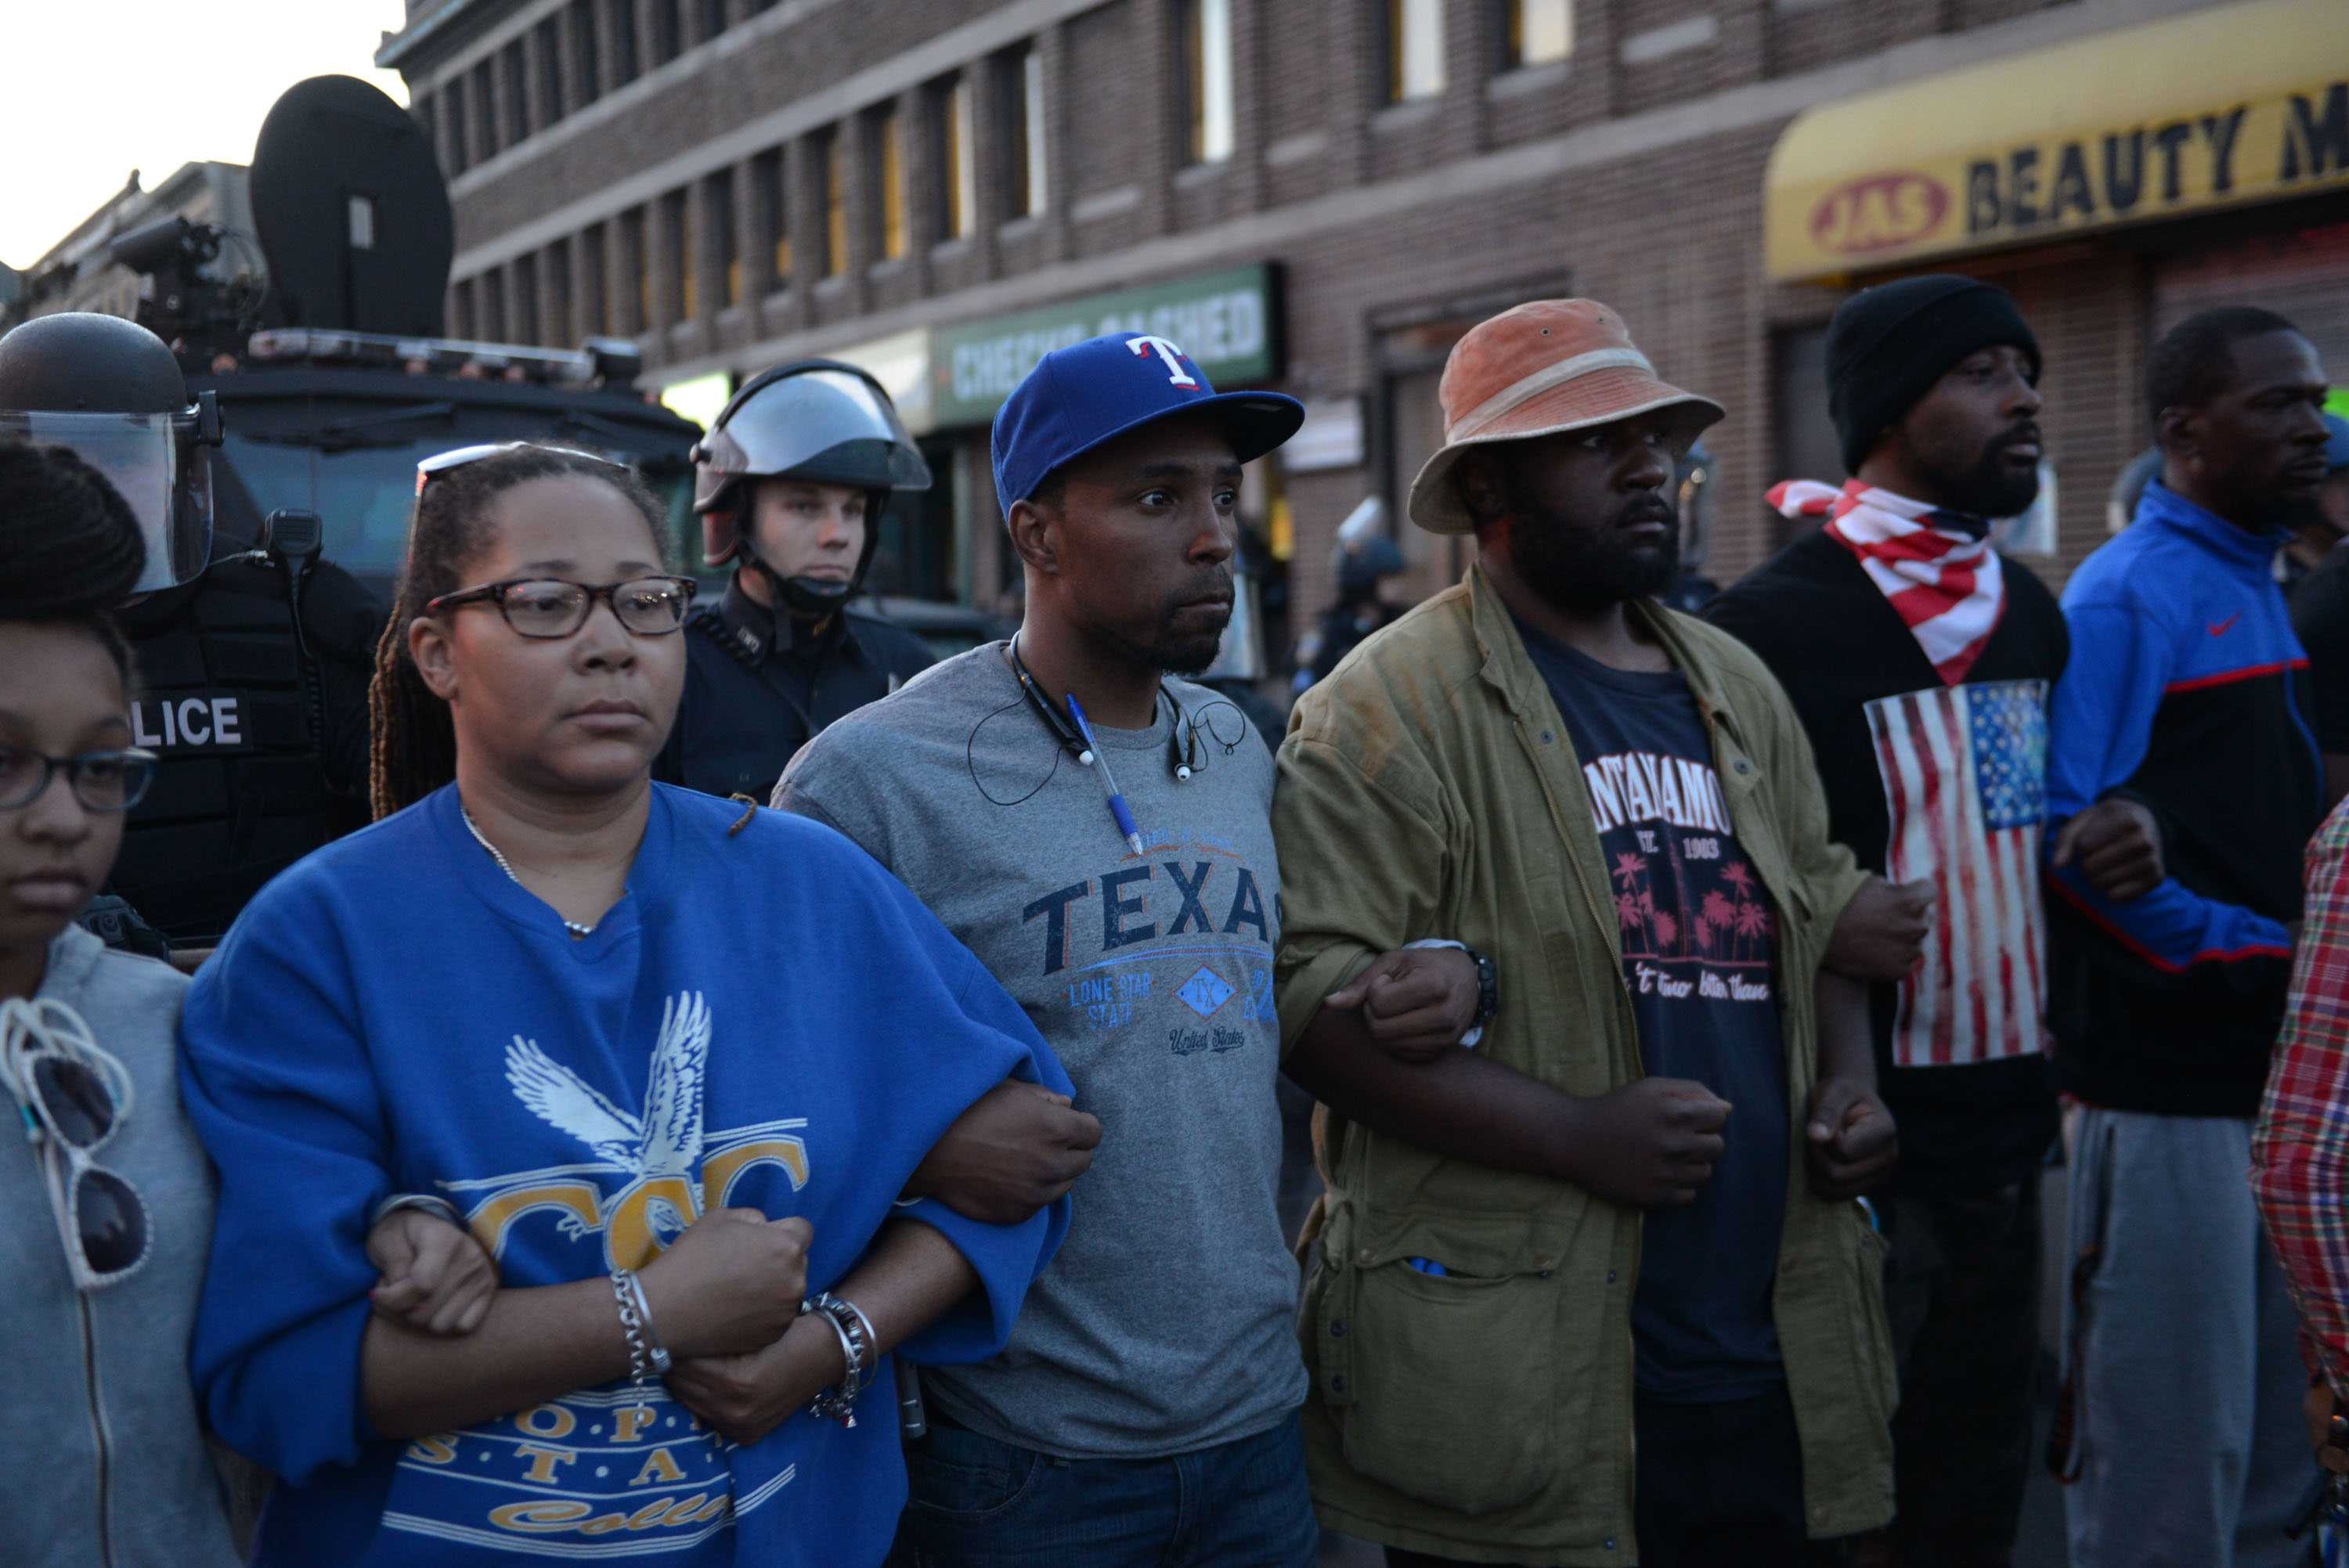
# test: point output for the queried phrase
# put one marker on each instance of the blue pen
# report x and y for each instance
(1117, 807)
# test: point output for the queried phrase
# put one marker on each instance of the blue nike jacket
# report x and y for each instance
(2187, 691)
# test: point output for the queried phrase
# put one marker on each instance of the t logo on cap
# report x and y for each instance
(1167, 351)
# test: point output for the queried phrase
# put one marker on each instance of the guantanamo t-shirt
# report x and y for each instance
(1701, 957)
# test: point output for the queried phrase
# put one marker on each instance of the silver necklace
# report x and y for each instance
(572, 926)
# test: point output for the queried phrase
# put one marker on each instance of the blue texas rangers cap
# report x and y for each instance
(1079, 396)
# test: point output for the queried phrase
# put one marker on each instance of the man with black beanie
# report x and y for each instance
(1921, 662)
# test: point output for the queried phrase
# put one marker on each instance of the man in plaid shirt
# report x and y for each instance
(2300, 1151)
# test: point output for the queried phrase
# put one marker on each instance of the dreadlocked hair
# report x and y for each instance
(70, 548)
(412, 744)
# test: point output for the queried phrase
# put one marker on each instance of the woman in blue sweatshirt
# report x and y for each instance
(672, 1062)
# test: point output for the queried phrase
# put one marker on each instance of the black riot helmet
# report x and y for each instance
(111, 391)
(816, 419)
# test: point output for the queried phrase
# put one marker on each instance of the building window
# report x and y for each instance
(638, 265)
(1023, 71)
(957, 163)
(494, 307)
(485, 110)
(1208, 79)
(835, 204)
(589, 54)
(1414, 49)
(888, 138)
(550, 69)
(623, 42)
(713, 18)
(677, 234)
(525, 300)
(774, 214)
(595, 299)
(669, 31)
(1535, 32)
(517, 85)
(718, 193)
(460, 151)
(557, 303)
(463, 296)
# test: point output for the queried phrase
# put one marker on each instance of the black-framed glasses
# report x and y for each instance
(74, 1097)
(429, 469)
(554, 607)
(100, 780)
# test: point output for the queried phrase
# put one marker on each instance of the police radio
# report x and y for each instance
(290, 539)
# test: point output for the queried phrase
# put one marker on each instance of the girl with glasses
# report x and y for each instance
(106, 1202)
(672, 1061)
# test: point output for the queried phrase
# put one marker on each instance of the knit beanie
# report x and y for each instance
(1888, 344)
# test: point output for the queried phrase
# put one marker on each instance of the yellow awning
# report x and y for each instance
(2219, 108)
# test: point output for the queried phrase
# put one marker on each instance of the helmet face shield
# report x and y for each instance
(830, 425)
(154, 462)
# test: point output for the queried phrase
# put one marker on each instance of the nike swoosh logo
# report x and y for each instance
(2220, 628)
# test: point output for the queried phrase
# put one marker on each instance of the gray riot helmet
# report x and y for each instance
(816, 419)
(110, 390)
(1692, 496)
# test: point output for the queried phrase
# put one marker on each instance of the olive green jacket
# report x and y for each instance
(1428, 788)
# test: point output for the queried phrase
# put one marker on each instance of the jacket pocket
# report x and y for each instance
(1450, 1382)
(1879, 1378)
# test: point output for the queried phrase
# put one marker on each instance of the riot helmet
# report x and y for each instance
(112, 391)
(816, 419)
(1693, 497)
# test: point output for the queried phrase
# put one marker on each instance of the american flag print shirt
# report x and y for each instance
(2300, 1149)
(1965, 784)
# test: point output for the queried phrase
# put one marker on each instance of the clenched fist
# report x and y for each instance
(1650, 1144)
(1880, 935)
(730, 1284)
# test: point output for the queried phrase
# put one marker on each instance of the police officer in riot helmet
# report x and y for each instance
(253, 657)
(791, 483)
(1692, 590)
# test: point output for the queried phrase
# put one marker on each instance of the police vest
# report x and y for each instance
(242, 792)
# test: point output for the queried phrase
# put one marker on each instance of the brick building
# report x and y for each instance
(1321, 195)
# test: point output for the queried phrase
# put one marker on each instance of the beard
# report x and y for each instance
(1181, 644)
(1990, 488)
(1581, 569)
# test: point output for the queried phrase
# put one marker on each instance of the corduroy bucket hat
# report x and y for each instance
(1537, 370)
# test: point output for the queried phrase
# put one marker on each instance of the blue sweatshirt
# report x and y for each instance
(2187, 691)
(765, 1020)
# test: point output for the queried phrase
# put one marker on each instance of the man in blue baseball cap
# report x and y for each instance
(1098, 830)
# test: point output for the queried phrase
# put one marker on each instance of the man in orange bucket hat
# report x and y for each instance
(1595, 1291)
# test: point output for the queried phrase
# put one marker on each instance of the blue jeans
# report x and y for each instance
(979, 1504)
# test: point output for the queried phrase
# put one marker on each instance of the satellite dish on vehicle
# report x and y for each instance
(352, 212)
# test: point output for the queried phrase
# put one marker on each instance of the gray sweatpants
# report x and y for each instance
(2182, 1348)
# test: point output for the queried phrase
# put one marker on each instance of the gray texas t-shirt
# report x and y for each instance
(1166, 1322)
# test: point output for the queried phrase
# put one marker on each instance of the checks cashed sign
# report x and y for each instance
(1227, 322)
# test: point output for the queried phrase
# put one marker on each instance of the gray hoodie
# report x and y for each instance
(109, 1457)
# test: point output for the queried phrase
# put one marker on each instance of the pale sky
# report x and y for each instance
(90, 89)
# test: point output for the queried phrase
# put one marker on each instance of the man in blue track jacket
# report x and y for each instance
(2187, 691)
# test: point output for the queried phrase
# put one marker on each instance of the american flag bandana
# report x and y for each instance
(1940, 576)
(1965, 787)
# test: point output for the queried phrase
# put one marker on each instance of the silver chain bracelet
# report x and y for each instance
(647, 1358)
(857, 1349)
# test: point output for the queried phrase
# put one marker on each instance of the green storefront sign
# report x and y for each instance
(1227, 322)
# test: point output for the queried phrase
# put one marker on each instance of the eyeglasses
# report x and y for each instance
(428, 469)
(100, 780)
(74, 1095)
(552, 607)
